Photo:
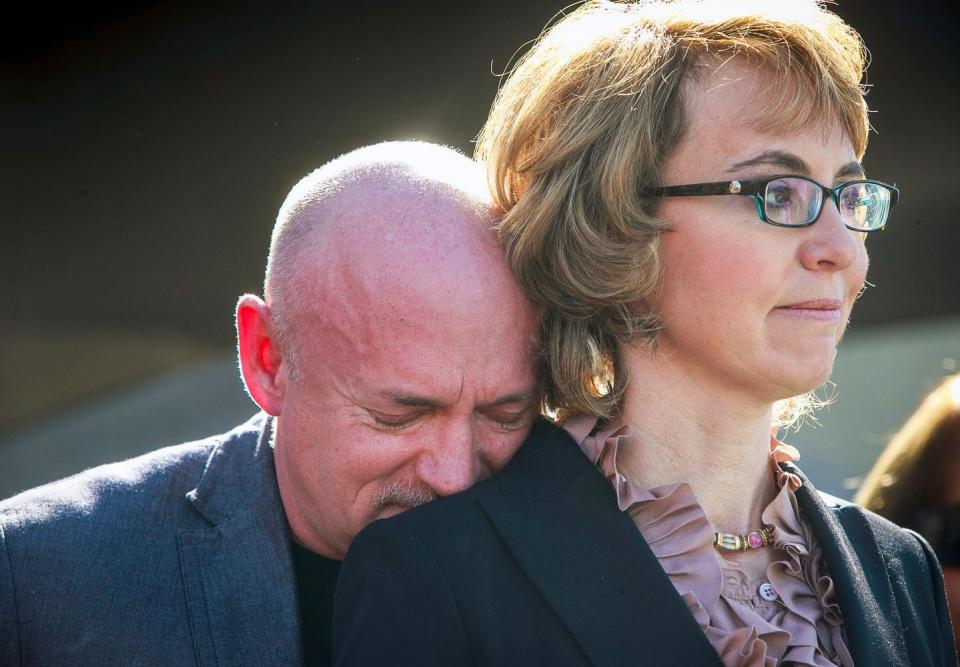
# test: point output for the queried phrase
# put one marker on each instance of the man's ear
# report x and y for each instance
(261, 366)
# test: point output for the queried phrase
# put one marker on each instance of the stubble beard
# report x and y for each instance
(402, 494)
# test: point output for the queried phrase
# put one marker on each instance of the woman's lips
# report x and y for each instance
(824, 310)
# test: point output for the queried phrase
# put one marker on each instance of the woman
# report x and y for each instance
(916, 481)
(685, 204)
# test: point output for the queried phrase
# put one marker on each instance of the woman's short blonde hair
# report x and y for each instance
(589, 115)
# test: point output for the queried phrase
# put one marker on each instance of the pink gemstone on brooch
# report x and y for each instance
(755, 539)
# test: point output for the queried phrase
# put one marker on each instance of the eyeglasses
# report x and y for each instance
(796, 201)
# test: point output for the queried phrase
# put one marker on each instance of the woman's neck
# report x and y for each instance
(687, 429)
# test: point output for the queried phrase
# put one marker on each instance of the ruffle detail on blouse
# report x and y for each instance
(781, 452)
(803, 627)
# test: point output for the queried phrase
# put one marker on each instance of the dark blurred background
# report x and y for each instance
(147, 146)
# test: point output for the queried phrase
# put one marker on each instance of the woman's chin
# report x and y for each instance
(798, 379)
(805, 370)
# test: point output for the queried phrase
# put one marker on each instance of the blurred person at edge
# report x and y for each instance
(685, 203)
(392, 358)
(916, 482)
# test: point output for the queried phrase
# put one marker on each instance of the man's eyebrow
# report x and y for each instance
(413, 401)
(410, 401)
(790, 162)
(524, 396)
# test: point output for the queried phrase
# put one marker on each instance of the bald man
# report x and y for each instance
(391, 357)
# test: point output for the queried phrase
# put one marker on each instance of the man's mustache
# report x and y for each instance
(403, 494)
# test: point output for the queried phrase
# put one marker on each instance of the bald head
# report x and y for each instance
(396, 213)
(394, 347)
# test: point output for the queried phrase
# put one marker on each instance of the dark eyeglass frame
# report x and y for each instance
(756, 188)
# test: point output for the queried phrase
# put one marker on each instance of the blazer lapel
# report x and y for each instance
(589, 560)
(238, 571)
(872, 622)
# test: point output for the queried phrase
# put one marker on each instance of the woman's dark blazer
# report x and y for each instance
(537, 566)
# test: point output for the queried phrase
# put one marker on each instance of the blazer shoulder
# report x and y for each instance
(893, 541)
(394, 597)
(111, 495)
(107, 562)
(95, 534)
(147, 483)
(834, 502)
(914, 577)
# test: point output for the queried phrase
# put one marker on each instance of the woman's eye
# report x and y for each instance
(855, 197)
(779, 196)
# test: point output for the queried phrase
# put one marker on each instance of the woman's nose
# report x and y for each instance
(829, 245)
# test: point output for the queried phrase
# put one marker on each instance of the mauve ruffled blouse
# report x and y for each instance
(800, 623)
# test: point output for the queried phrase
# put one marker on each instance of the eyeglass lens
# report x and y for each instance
(797, 201)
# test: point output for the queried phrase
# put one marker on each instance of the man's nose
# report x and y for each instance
(451, 463)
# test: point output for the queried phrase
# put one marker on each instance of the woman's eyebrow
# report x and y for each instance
(789, 161)
(851, 169)
(796, 164)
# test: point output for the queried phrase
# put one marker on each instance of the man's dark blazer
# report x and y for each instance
(178, 557)
(539, 567)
